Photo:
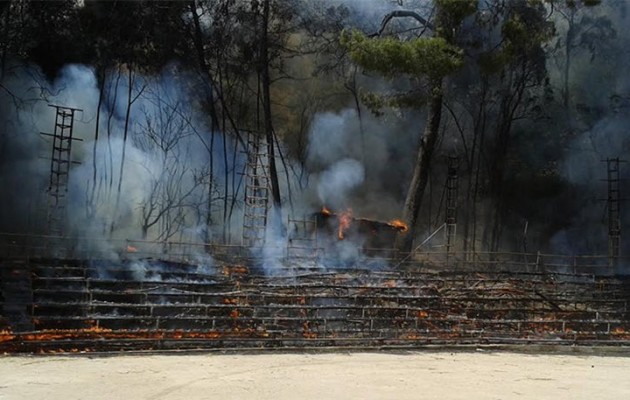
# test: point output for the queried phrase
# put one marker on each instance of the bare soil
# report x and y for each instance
(422, 375)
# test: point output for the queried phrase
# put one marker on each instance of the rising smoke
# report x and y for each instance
(600, 100)
(361, 162)
(167, 156)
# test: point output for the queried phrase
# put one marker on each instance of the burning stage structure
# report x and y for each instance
(378, 234)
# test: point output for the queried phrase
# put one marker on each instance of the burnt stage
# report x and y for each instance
(343, 225)
(75, 306)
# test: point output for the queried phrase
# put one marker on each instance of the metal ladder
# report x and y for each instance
(257, 187)
(302, 238)
(451, 203)
(614, 221)
(60, 161)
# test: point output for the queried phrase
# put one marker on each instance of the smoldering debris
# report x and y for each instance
(153, 270)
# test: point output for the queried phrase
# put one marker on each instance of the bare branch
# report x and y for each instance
(402, 14)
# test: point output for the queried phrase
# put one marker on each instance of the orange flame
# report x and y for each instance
(131, 249)
(234, 270)
(400, 225)
(326, 211)
(6, 336)
(345, 219)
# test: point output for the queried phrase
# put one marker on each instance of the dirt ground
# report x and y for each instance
(422, 375)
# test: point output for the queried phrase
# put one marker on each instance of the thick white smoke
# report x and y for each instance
(167, 155)
(336, 182)
(362, 162)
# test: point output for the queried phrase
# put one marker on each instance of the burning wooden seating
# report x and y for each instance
(91, 307)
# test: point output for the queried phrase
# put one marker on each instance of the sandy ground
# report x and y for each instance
(427, 375)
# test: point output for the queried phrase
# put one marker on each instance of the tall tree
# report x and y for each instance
(584, 29)
(432, 58)
(517, 68)
(263, 71)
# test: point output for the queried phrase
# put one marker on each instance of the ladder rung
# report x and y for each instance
(256, 199)
(254, 221)
(259, 209)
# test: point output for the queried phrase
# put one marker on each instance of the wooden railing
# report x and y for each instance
(46, 246)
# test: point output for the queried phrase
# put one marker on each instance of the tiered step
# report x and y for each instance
(136, 302)
(4, 322)
(16, 296)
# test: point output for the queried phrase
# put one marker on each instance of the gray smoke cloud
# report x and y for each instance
(600, 93)
(585, 168)
(362, 162)
(358, 162)
(336, 182)
(167, 157)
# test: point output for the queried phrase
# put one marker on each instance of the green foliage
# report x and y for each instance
(450, 15)
(376, 102)
(525, 32)
(520, 37)
(146, 34)
(568, 3)
(586, 3)
(431, 57)
(457, 10)
(492, 63)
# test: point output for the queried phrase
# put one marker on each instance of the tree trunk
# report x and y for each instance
(124, 148)
(268, 123)
(214, 119)
(203, 65)
(421, 170)
(110, 150)
(91, 206)
(5, 7)
(567, 62)
(476, 156)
